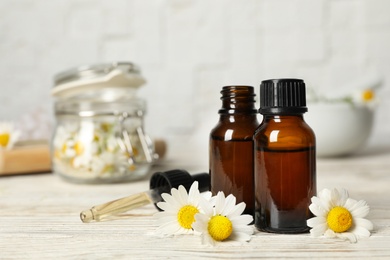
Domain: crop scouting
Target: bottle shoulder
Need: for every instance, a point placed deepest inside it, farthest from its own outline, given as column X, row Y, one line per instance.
column 235, row 129
column 299, row 127
column 287, row 133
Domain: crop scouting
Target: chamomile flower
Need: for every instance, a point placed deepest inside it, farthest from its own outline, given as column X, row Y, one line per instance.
column 63, row 143
column 179, row 210
column 108, row 163
column 364, row 97
column 337, row 215
column 223, row 221
column 8, row 135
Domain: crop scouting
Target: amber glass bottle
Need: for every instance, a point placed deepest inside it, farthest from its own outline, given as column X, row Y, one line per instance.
column 285, row 163
column 231, row 146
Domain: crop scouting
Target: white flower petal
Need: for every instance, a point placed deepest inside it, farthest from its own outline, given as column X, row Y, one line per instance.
column 321, row 203
column 194, row 189
column 365, row 223
column 161, row 214
column 350, row 204
column 317, row 210
column 236, row 210
column 358, row 204
column 241, row 220
column 243, row 229
column 170, row 200
column 176, row 196
column 325, row 193
column 213, row 200
column 338, row 197
column 326, row 204
column 312, row 222
column 347, row 235
column 219, row 202
column 206, row 207
column 165, row 224
column 166, row 206
column 207, row 239
column 325, row 197
column 160, row 220
column 201, row 217
column 360, row 231
column 169, row 228
column 200, row 224
column 198, row 228
column 193, row 194
column 360, row 209
column 230, row 199
column 206, row 195
column 240, row 236
column 343, row 197
column 165, row 196
column 230, row 202
column 319, row 230
column 183, row 195
column 330, row 233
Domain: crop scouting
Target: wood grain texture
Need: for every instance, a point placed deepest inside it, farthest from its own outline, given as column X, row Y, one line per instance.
column 25, row 159
column 39, row 219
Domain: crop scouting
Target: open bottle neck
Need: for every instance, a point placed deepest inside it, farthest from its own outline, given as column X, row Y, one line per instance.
column 237, row 100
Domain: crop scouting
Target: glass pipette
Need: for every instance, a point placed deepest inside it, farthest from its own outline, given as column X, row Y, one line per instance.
column 160, row 182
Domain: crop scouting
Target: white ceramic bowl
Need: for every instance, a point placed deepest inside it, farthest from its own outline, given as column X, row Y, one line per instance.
column 340, row 128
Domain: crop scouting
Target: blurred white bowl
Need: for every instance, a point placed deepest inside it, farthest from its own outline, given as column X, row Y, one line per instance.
column 340, row 128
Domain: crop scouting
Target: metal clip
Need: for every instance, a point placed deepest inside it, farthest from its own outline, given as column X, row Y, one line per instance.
column 127, row 144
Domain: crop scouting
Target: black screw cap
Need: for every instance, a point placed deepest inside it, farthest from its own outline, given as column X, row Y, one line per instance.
column 282, row 96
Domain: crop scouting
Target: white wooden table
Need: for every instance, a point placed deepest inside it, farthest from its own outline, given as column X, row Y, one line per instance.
column 39, row 219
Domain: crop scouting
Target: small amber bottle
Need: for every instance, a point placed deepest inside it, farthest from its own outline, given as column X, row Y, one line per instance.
column 231, row 146
column 285, row 159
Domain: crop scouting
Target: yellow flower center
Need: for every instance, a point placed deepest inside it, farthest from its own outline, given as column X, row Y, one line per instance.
column 4, row 139
column 79, row 148
column 368, row 95
column 57, row 154
column 108, row 168
column 339, row 219
column 63, row 148
column 220, row 227
column 106, row 127
column 96, row 137
column 186, row 216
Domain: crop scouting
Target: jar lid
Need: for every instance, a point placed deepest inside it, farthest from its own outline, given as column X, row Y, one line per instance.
column 98, row 82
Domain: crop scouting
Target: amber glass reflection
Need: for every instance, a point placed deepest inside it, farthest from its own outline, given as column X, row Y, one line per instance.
column 285, row 174
column 231, row 146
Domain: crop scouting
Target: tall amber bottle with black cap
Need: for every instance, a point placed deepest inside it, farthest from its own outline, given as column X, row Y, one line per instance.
column 285, row 159
column 231, row 146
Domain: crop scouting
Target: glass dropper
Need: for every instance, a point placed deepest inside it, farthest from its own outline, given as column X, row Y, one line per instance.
column 160, row 182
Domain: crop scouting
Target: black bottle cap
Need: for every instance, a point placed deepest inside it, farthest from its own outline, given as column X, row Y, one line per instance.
column 282, row 96
column 165, row 181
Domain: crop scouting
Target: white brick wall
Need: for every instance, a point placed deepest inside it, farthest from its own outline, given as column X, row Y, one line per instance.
column 189, row 49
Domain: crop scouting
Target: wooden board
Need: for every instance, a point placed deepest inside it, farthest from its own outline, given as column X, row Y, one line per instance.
column 25, row 158
column 39, row 219
column 34, row 157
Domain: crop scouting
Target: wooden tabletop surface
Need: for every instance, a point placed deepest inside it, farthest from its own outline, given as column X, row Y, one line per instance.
column 39, row 219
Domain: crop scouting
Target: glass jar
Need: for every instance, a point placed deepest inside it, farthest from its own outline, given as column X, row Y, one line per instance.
column 99, row 135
